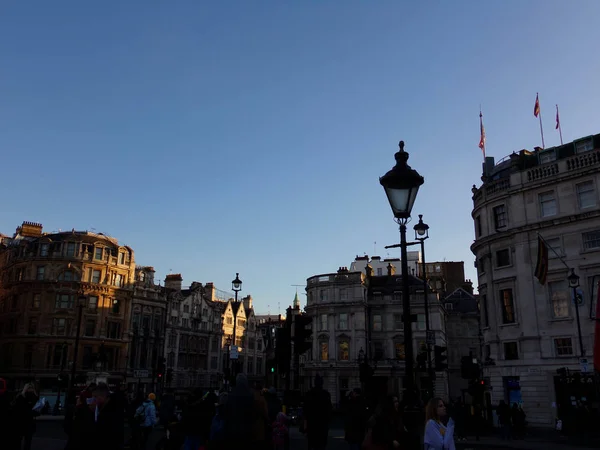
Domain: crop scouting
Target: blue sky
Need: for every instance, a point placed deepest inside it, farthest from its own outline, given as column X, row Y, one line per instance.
column 224, row 137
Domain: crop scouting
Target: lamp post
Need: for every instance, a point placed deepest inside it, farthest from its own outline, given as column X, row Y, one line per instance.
column 236, row 286
column 422, row 233
column 574, row 284
column 81, row 300
column 60, row 378
column 401, row 185
column 228, row 344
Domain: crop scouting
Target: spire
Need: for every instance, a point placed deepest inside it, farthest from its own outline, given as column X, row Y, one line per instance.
column 296, row 302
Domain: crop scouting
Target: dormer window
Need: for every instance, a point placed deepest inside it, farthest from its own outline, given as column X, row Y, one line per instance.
column 98, row 253
column 584, row 145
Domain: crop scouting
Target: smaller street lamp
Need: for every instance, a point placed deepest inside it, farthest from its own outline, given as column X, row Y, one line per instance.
column 574, row 284
column 236, row 285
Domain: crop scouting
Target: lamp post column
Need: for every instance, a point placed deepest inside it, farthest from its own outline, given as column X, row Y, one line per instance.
column 408, row 344
column 80, row 303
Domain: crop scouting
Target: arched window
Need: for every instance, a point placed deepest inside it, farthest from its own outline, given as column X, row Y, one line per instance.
column 344, row 350
column 399, row 349
column 324, row 350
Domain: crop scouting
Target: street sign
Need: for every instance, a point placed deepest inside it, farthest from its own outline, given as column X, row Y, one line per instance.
column 430, row 339
column 583, row 363
column 233, row 353
column 140, row 373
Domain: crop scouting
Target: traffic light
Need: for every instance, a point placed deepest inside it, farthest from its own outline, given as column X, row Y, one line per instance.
column 160, row 368
column 272, row 369
column 302, row 333
column 440, row 358
column 422, row 361
column 469, row 368
column 169, row 377
column 283, row 354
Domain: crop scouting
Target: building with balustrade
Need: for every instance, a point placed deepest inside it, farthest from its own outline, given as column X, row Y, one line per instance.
column 43, row 276
column 359, row 315
column 529, row 329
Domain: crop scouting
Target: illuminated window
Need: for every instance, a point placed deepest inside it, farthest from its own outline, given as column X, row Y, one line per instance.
column 324, row 351
column 344, row 354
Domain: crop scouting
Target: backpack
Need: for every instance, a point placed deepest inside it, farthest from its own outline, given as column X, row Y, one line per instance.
column 140, row 415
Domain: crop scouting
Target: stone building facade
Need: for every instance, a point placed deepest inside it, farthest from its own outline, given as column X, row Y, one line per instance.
column 356, row 313
column 530, row 329
column 43, row 276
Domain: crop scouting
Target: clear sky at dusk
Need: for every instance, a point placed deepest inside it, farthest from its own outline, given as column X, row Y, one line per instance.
column 223, row 137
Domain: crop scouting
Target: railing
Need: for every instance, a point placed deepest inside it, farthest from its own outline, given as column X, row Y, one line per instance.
column 584, row 160
column 539, row 173
column 497, row 186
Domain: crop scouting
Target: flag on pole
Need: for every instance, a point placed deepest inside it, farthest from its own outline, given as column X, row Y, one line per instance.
column 482, row 134
column 557, row 119
column 536, row 108
column 541, row 268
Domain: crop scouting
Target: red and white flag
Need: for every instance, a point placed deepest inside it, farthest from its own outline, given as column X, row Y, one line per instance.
column 536, row 108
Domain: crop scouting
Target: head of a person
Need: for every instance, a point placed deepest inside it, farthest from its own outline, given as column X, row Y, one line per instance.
column 101, row 394
column 389, row 405
column 152, row 396
column 28, row 390
column 241, row 381
column 436, row 409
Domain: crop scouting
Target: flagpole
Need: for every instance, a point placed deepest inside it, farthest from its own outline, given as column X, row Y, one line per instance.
column 541, row 128
column 559, row 125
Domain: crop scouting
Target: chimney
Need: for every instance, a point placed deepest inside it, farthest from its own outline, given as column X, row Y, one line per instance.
column 173, row 281
column 30, row 229
column 391, row 270
column 209, row 291
column 247, row 302
column 369, row 270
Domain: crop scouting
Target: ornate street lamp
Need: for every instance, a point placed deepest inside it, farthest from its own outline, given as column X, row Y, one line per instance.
column 401, row 185
column 574, row 284
column 421, row 234
column 236, row 285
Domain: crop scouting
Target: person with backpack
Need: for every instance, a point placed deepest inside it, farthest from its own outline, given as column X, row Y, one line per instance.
column 145, row 417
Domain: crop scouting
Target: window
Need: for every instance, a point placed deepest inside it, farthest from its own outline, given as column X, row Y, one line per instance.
column 229, row 320
column 399, row 350
column 122, row 258
column 343, row 295
column 343, row 321
column 449, row 306
column 259, row 365
column 547, row 204
column 67, row 275
column 344, row 354
column 421, row 322
column 511, row 351
column 323, row 322
column 33, row 324
column 90, row 327
column 96, row 276
column 259, row 345
column 563, row 346
column 398, row 325
column 241, row 323
column 57, row 357
column 40, row 273
column 63, row 301
column 503, row 258
column 478, row 226
column 481, row 266
column 250, row 369
column 324, row 351
column 591, row 240
column 35, row 304
column 500, row 219
column 92, row 302
column 59, row 326
column 378, row 351
column 185, row 323
column 119, row 280
column 559, row 299
column 484, row 310
column 213, row 362
column 554, row 247
column 379, row 271
column 44, row 250
column 584, row 145
column 98, row 253
column 508, row 306
column 586, row 195
column 547, row 156
column 71, row 249
column 186, row 308
column 377, row 325
column 323, row 296
column 114, row 330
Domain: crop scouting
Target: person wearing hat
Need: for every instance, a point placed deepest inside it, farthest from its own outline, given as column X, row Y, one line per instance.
column 145, row 415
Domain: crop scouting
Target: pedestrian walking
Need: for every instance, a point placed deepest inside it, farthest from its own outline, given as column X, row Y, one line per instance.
column 437, row 435
column 317, row 414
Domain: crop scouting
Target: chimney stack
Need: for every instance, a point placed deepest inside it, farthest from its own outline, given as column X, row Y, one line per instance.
column 173, row 281
column 247, row 302
column 391, row 270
